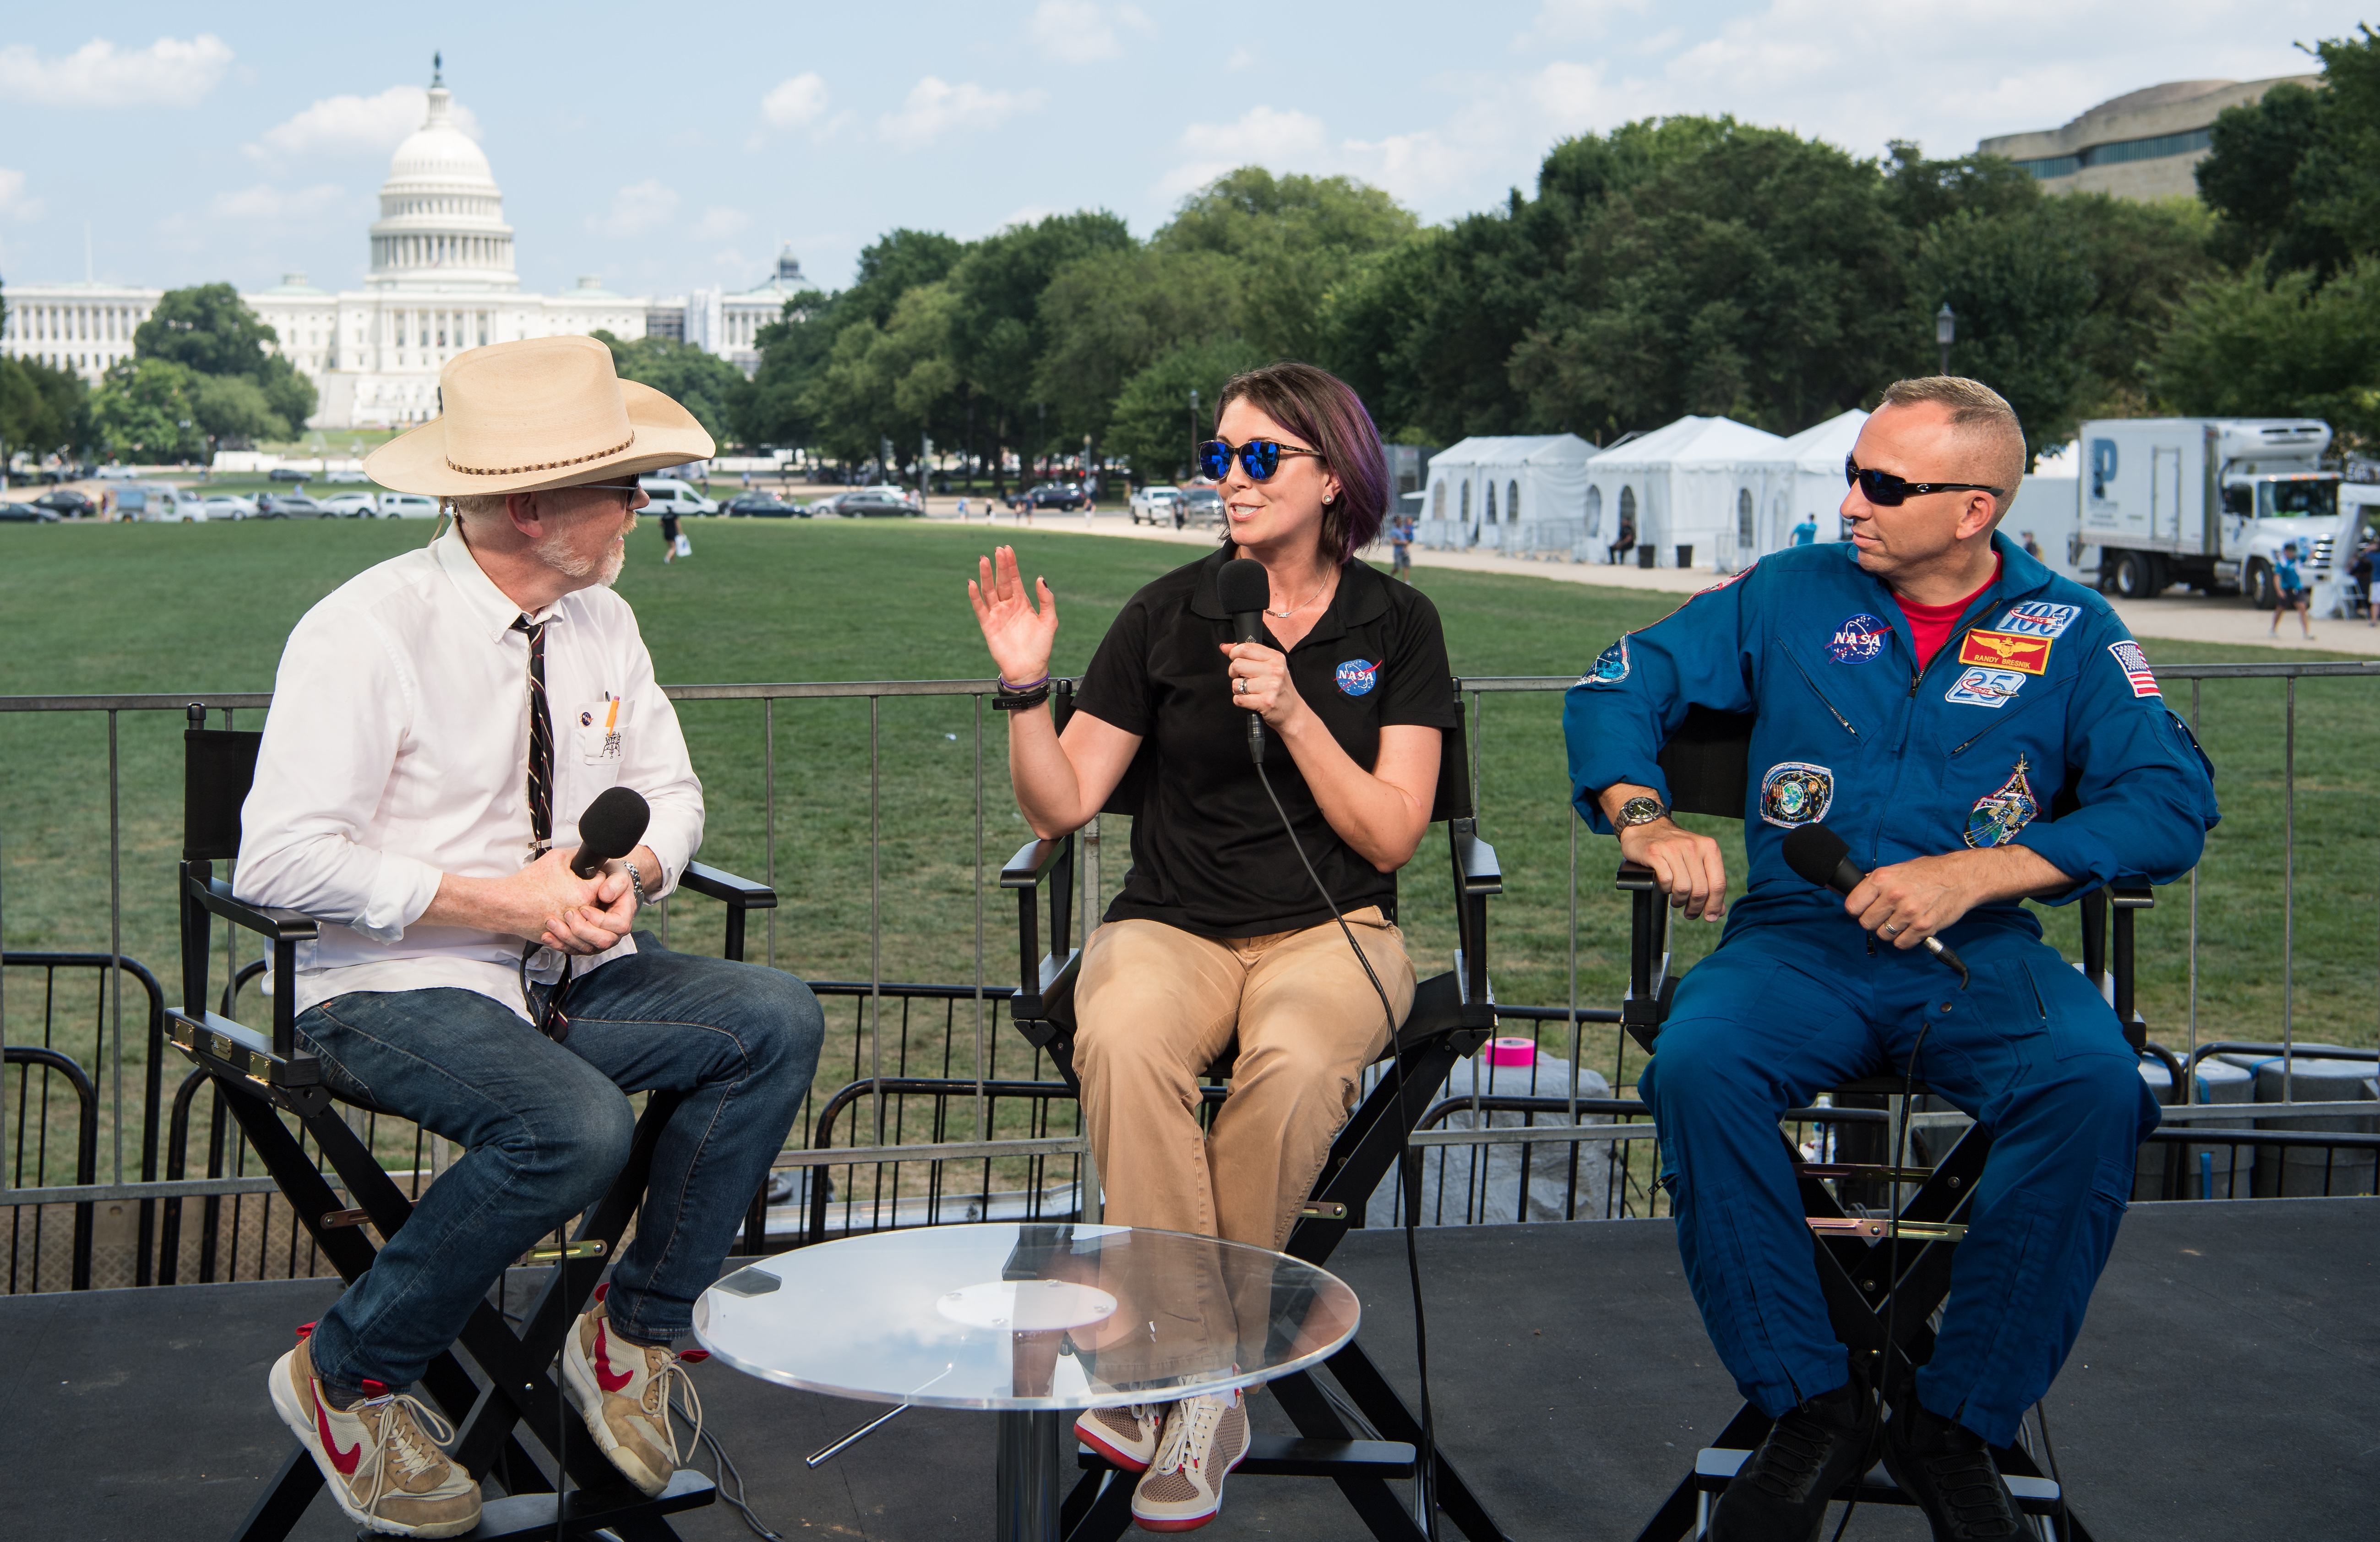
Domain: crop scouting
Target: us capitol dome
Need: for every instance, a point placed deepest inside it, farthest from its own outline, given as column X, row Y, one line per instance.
column 440, row 278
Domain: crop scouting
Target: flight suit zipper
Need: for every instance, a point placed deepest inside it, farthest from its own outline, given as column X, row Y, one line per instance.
column 1830, row 706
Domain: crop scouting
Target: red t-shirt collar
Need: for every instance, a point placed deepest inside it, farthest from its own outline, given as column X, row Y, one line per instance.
column 1930, row 626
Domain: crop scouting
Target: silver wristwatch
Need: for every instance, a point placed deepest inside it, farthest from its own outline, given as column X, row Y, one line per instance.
column 637, row 883
column 1639, row 810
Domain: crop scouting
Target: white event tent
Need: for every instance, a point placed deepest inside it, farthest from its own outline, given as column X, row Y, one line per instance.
column 1515, row 494
column 1690, row 484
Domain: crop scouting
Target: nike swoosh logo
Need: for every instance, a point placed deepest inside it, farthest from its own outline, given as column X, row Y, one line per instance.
column 605, row 1377
column 343, row 1460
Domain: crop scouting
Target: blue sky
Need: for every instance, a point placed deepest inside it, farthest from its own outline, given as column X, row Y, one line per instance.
column 663, row 147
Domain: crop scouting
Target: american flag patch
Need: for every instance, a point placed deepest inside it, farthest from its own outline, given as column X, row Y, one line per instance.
column 2135, row 665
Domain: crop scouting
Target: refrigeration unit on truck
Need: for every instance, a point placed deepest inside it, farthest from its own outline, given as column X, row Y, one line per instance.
column 2206, row 501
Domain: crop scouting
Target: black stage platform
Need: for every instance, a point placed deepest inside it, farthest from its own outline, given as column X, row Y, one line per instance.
column 2226, row 1387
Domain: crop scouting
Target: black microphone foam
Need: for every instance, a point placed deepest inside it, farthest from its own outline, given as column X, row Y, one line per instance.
column 1821, row 858
column 611, row 827
column 1245, row 589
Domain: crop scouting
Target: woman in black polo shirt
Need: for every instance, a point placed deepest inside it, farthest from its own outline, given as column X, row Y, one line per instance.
column 1219, row 933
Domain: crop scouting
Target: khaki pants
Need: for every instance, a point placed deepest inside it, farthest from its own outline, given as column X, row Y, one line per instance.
column 1157, row 1005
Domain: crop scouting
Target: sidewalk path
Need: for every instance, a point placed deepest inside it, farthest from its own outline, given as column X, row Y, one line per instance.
column 2173, row 617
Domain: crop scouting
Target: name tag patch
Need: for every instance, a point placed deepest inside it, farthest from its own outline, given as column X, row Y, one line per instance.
column 1858, row 638
column 2039, row 618
column 2135, row 665
column 1358, row 679
column 2006, row 650
column 1796, row 793
column 1985, row 687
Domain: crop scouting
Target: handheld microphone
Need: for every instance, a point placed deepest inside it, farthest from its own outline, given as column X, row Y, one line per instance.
column 1245, row 589
column 611, row 827
column 1823, row 857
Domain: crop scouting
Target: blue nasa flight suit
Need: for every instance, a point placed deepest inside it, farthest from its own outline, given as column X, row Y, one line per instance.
column 1902, row 763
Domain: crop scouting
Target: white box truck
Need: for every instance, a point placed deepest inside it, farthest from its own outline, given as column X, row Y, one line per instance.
column 2206, row 501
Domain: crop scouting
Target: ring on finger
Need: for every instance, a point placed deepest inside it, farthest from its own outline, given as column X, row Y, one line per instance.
column 1239, row 687
column 1889, row 929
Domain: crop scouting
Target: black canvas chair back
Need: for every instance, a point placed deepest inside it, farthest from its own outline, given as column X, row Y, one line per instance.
column 1708, row 761
column 263, row 1076
column 1452, row 1016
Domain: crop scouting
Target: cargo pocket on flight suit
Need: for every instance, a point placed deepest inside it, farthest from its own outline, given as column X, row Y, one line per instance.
column 2081, row 1021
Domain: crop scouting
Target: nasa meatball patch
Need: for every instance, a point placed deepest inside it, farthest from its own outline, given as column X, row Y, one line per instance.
column 1858, row 640
column 1358, row 679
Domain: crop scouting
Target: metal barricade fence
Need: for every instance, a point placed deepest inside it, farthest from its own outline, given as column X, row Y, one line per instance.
column 944, row 1113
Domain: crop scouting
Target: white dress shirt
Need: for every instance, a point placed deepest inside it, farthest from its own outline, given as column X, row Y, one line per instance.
column 397, row 750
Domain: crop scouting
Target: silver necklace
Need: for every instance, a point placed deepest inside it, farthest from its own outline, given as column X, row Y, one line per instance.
column 1308, row 601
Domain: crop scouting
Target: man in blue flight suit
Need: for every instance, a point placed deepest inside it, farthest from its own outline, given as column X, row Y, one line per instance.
column 1926, row 692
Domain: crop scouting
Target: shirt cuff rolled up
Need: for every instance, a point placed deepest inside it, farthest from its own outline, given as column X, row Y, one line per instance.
column 400, row 891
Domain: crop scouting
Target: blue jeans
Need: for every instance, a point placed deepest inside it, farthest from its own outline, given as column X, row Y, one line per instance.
column 1778, row 1014
column 545, row 1129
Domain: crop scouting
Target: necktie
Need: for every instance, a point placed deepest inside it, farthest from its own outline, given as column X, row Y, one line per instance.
column 551, row 1022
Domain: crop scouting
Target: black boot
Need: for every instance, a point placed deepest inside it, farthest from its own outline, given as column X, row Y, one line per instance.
column 1780, row 1492
column 1947, row 1468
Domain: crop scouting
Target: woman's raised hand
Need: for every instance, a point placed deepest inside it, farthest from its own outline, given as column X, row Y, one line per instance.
column 1020, row 637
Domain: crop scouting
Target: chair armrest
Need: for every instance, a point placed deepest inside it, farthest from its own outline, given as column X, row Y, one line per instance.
column 1634, row 877
column 279, row 926
column 2132, row 895
column 1476, row 859
column 1033, row 859
column 726, row 886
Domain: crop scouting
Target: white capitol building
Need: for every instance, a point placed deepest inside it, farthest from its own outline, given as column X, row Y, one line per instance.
column 441, row 279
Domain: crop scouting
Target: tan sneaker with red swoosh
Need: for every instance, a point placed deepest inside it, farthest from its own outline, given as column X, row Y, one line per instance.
column 381, row 1458
column 622, row 1390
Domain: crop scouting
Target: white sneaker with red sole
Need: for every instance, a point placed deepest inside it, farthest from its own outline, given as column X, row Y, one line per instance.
column 1125, row 1436
column 1183, row 1490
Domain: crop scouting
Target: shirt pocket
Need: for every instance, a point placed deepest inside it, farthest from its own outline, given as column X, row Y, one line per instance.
column 600, row 733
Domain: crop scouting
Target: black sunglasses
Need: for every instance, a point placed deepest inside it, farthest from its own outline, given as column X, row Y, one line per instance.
column 1261, row 457
column 1887, row 490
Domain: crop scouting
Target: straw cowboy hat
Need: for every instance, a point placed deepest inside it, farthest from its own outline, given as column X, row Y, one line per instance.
column 540, row 413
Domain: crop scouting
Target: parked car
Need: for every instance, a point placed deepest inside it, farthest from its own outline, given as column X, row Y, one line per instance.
column 230, row 505
column 407, row 505
column 288, row 474
column 350, row 505
column 1201, row 505
column 875, row 503
column 1052, row 495
column 159, row 501
column 107, row 474
column 287, row 505
column 670, row 495
column 761, row 505
column 1158, row 505
column 32, row 511
column 66, row 504
column 342, row 478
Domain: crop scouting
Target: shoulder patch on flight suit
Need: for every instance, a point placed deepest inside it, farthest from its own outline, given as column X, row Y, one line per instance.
column 2135, row 665
column 1999, row 814
column 1796, row 793
column 1610, row 666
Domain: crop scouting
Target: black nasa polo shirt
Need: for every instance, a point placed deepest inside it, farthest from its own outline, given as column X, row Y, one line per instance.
column 1208, row 851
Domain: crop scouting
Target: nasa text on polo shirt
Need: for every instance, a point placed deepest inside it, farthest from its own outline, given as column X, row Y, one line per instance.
column 1208, row 851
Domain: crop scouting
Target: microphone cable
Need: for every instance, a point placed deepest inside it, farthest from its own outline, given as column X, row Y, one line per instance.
column 1425, row 1455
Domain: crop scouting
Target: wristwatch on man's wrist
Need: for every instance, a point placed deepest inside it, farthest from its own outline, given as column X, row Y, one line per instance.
column 1638, row 811
column 637, row 883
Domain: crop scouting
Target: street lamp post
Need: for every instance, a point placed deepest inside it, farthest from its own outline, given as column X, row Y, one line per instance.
column 1946, row 329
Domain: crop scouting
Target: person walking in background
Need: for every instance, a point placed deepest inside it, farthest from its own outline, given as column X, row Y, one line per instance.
column 1806, row 532
column 2289, row 591
column 1401, row 534
column 2032, row 547
column 2365, row 576
column 669, row 535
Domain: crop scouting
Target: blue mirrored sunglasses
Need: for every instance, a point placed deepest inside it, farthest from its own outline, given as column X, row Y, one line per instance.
column 1261, row 457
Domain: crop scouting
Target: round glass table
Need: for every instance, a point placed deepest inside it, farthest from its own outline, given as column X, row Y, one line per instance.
column 1031, row 1320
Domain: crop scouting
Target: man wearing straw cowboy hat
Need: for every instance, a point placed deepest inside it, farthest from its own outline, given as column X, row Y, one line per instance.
column 439, row 724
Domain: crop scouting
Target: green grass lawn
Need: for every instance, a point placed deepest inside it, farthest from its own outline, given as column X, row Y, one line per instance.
column 204, row 608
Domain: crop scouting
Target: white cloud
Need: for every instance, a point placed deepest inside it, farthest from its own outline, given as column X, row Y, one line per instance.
column 14, row 204
column 791, row 103
column 1082, row 32
column 935, row 106
column 168, row 73
column 354, row 125
column 637, row 209
column 265, row 204
column 718, row 224
column 1268, row 137
column 1566, row 21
